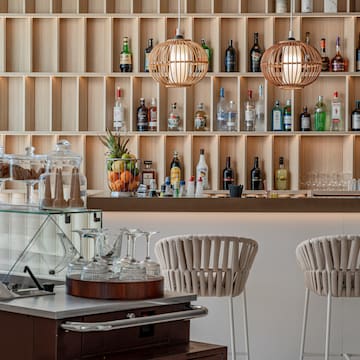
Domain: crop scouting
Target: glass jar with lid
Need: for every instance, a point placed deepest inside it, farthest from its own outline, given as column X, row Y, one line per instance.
column 62, row 186
column 4, row 165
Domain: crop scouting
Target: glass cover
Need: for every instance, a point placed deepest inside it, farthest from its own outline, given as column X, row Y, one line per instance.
column 62, row 157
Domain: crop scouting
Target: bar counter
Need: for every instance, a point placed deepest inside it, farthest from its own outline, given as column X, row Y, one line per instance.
column 319, row 204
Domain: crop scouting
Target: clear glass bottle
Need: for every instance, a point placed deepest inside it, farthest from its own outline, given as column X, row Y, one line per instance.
column 320, row 115
column 202, row 170
column 250, row 113
column 174, row 122
column 306, row 6
column 281, row 176
column 330, row 6
column 305, row 120
column 147, row 52
column 338, row 62
column 228, row 175
column 230, row 58
column 208, row 51
column 200, row 118
column 281, row 6
column 190, row 189
column 231, row 122
column 152, row 116
column 119, row 112
column 325, row 61
column 221, row 112
column 336, row 113
column 260, row 110
column 175, row 169
column 355, row 117
column 255, row 55
column 199, row 190
column 277, row 117
column 287, row 116
column 148, row 173
column 256, row 176
column 142, row 116
column 125, row 56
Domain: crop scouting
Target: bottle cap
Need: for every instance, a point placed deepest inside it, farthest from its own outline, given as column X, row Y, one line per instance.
column 202, row 151
column 336, row 94
column 200, row 179
column 250, row 94
column 192, row 178
column 182, row 182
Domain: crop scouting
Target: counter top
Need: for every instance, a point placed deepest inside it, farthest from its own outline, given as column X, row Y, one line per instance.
column 61, row 305
column 320, row 204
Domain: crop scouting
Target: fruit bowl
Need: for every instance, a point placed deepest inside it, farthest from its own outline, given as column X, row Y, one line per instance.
column 123, row 175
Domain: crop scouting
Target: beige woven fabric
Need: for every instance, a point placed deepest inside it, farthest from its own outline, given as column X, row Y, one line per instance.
column 207, row 265
column 334, row 255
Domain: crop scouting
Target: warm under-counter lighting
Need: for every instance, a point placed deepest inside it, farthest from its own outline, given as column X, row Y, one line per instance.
column 178, row 62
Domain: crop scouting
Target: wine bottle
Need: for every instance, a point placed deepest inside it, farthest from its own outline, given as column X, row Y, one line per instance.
column 142, row 116
column 305, row 120
column 249, row 113
column 147, row 52
column 320, row 115
column 281, row 6
column 338, row 62
column 118, row 114
column 277, row 117
column 230, row 58
column 260, row 110
column 256, row 176
column 221, row 112
column 175, row 169
column 200, row 118
column 355, row 117
column 125, row 56
column 208, row 51
column 330, row 6
column 255, row 55
column 152, row 115
column 231, row 122
column 306, row 6
column 173, row 119
column 325, row 62
column 281, row 176
column 228, row 175
column 202, row 170
column 287, row 116
column 357, row 62
column 336, row 111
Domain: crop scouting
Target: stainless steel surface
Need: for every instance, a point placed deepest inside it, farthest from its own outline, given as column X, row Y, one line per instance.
column 194, row 312
column 62, row 306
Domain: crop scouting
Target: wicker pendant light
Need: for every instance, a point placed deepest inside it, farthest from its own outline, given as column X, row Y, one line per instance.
column 178, row 62
column 291, row 64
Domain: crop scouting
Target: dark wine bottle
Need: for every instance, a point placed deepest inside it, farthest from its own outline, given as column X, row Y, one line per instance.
column 147, row 51
column 142, row 116
column 230, row 58
column 256, row 176
column 255, row 55
column 355, row 117
column 305, row 122
column 228, row 175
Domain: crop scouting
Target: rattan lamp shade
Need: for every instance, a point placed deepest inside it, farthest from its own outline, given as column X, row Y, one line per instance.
column 291, row 64
column 178, row 62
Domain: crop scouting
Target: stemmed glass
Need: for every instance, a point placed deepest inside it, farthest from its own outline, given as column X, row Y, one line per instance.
column 151, row 266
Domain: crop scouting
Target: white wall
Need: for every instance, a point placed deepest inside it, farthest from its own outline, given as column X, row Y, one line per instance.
column 275, row 291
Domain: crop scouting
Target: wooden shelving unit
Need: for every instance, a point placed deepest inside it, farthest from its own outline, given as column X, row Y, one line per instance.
column 59, row 68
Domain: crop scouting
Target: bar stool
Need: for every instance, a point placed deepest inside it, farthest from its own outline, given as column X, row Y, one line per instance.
column 209, row 265
column 331, row 268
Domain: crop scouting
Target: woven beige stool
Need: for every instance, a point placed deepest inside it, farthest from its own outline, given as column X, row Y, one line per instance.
column 331, row 268
column 209, row 265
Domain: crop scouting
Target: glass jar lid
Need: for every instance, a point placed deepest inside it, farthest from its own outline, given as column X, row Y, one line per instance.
column 63, row 157
column 28, row 156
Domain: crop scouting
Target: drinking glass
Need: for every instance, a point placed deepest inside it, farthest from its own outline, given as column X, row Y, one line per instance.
column 151, row 266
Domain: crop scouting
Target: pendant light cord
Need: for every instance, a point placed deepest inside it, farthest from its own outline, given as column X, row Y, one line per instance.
column 178, row 33
column 291, row 32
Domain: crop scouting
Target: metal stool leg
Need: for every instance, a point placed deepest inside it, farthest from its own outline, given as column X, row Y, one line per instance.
column 303, row 331
column 232, row 333
column 246, row 334
column 328, row 323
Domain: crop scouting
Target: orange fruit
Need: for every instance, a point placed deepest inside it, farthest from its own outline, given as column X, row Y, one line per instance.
column 126, row 176
column 113, row 176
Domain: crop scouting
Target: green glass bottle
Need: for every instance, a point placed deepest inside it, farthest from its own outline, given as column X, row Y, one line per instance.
column 320, row 115
column 125, row 56
column 208, row 53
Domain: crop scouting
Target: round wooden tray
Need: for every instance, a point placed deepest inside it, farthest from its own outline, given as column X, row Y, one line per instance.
column 115, row 289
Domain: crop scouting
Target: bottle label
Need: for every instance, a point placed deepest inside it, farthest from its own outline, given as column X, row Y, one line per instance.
column 277, row 120
column 281, row 6
column 125, row 59
column 153, row 118
column 173, row 122
column 175, row 175
column 146, row 62
column 335, row 112
column 287, row 122
column 199, row 122
column 203, row 173
column 330, row 6
column 305, row 122
column 147, row 177
column 355, row 121
column 118, row 117
column 338, row 66
column 306, row 6
column 231, row 120
column 142, row 118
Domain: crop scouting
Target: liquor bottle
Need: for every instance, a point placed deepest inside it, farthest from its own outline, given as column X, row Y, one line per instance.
column 190, row 189
column 287, row 116
column 250, row 113
column 281, row 176
column 307, row 38
column 320, row 115
column 277, row 117
column 221, row 112
column 147, row 51
column 119, row 112
column 173, row 119
column 260, row 110
column 231, row 120
column 208, row 51
column 256, row 176
column 152, row 189
column 202, row 170
column 228, row 175
column 175, row 169
column 199, row 191
column 200, row 118
column 330, row 6
column 125, row 56
column 336, row 113
column 230, row 58
column 357, row 62
column 355, row 117
column 281, row 6
column 152, row 115
column 325, row 62
column 142, row 116
column 337, row 62
column 148, row 173
column 305, row 120
column 306, row 6
column 255, row 55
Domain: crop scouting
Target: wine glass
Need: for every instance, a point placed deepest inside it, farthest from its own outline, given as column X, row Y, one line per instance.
column 151, row 266
column 117, row 260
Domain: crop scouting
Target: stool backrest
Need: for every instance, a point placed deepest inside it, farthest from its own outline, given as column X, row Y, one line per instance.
column 207, row 265
column 331, row 261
